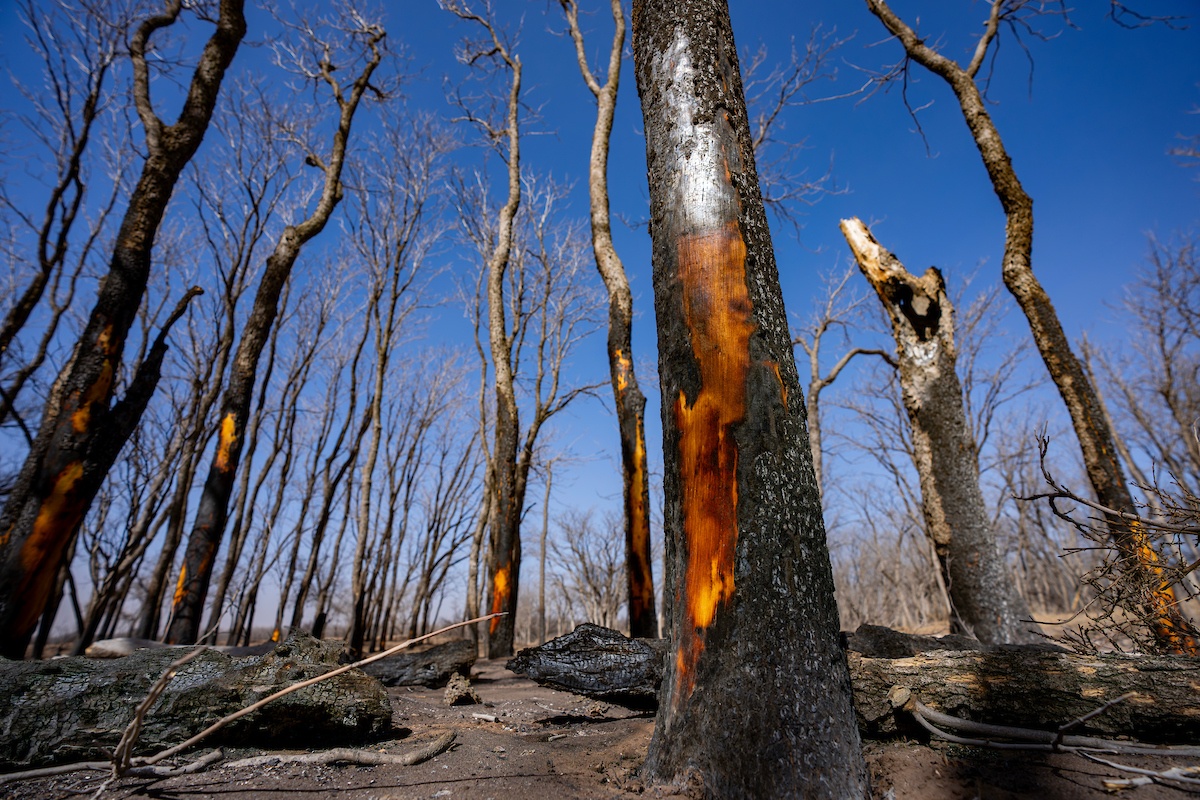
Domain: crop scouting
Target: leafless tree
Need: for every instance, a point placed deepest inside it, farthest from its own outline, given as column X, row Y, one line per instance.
column 834, row 311
column 82, row 431
column 738, row 478
column 1105, row 473
column 587, row 559
column 312, row 58
column 495, row 53
column 627, row 395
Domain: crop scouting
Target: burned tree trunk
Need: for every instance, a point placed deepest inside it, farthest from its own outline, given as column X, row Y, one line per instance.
column 208, row 529
column 627, row 395
column 81, row 435
column 756, row 665
column 983, row 599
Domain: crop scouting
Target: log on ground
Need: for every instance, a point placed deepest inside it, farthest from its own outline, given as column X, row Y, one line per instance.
column 1035, row 686
column 432, row 667
column 75, row 709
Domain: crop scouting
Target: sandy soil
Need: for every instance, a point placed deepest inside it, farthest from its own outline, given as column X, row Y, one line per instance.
column 549, row 744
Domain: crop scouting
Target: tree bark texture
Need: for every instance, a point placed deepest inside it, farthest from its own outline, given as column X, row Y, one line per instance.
column 627, row 395
column 756, row 697
column 1172, row 630
column 1038, row 687
column 80, row 436
column 983, row 599
column 598, row 662
column 191, row 588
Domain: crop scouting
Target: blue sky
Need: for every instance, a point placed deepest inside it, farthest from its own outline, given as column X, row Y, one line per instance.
column 1088, row 131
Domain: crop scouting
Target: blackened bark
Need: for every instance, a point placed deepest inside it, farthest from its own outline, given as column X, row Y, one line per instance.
column 69, row 459
column 757, row 694
column 1173, row 632
column 983, row 599
column 1030, row 686
column 191, row 588
column 628, row 397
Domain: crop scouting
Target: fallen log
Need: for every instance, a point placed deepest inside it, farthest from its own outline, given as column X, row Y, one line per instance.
column 432, row 667
column 72, row 709
column 598, row 662
column 1022, row 686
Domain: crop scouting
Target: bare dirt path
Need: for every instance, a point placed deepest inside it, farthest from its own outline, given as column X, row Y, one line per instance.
column 550, row 744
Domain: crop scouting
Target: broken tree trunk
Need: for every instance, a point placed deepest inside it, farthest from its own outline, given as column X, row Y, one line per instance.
column 983, row 598
column 1030, row 686
column 73, row 709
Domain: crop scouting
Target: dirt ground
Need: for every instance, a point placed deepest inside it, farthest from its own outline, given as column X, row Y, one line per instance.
column 550, row 744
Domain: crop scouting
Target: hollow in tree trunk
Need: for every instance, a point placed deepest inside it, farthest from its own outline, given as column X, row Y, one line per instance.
column 983, row 598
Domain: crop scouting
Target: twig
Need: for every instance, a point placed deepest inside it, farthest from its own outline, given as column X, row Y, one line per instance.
column 346, row 755
column 1095, row 712
column 1176, row 774
column 123, row 753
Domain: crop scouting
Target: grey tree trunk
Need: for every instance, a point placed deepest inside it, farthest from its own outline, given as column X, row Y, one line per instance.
column 983, row 598
column 756, row 696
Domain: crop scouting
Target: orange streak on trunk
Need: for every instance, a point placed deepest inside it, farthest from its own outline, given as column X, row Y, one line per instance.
column 225, row 441
column 179, row 587
column 500, row 591
column 56, row 519
column 717, row 311
column 624, row 370
column 98, row 391
column 639, row 524
column 774, row 365
column 1162, row 598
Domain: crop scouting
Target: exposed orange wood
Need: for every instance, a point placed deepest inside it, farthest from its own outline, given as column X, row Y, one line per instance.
column 225, row 441
column 717, row 312
column 180, row 591
column 639, row 525
column 624, row 370
column 1162, row 597
column 98, row 391
column 500, row 591
column 774, row 365
column 57, row 518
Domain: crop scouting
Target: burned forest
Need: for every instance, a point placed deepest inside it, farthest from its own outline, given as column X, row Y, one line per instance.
column 600, row 398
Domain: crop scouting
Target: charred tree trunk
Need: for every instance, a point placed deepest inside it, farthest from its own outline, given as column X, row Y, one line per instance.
column 1172, row 630
column 757, row 667
column 628, row 397
column 209, row 525
column 983, row 598
column 71, row 455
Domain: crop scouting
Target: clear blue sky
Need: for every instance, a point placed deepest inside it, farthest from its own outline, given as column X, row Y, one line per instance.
column 1088, row 129
column 1088, row 125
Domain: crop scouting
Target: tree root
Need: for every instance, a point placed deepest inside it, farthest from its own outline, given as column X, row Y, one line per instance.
column 346, row 755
